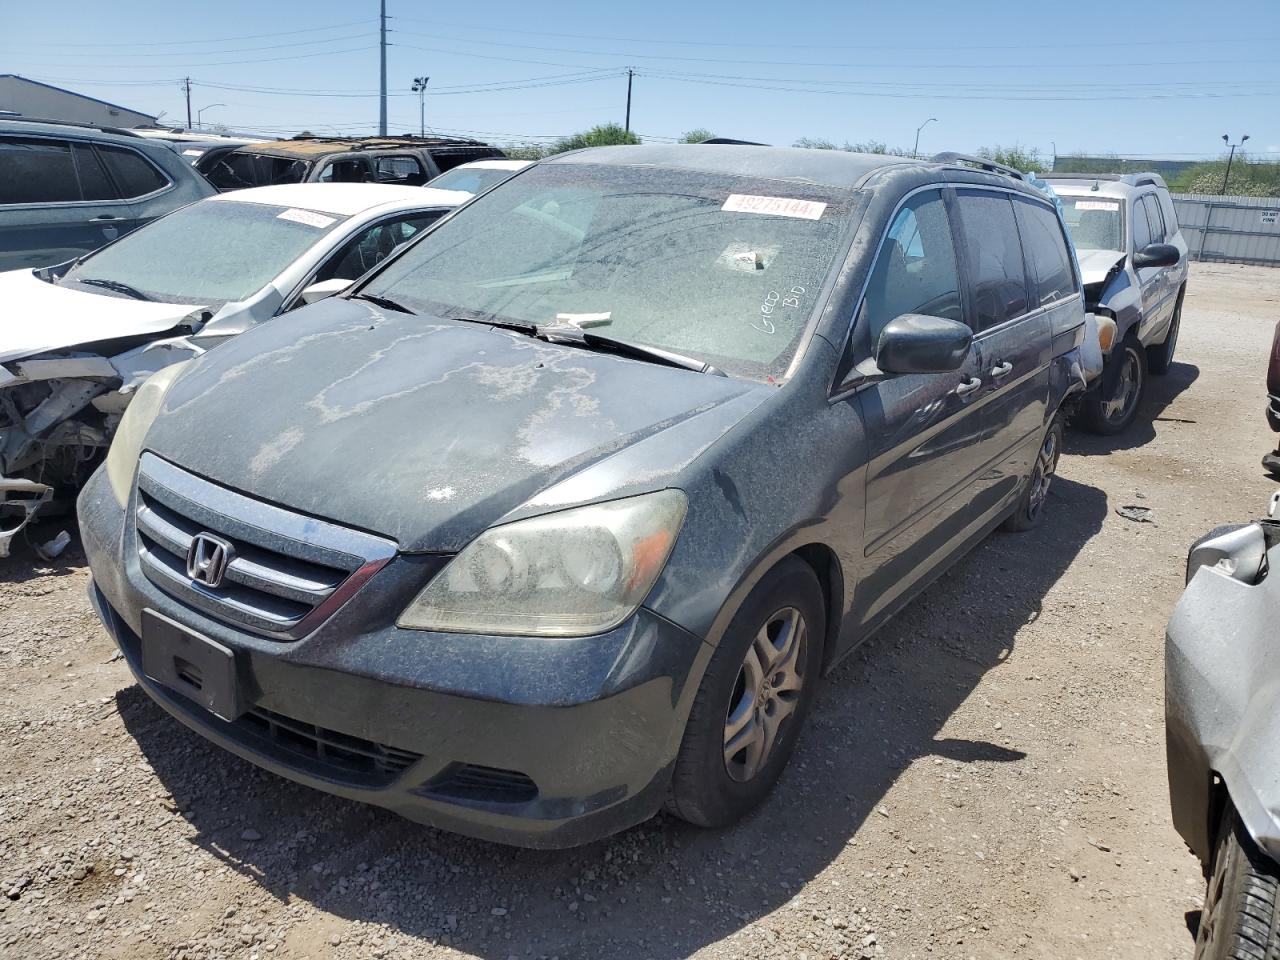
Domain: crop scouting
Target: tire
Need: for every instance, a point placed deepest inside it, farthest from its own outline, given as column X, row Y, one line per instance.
column 1031, row 504
column 1160, row 356
column 1111, row 407
column 1240, row 919
column 710, row 787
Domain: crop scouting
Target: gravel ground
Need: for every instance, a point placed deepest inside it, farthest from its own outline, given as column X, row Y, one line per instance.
column 984, row 779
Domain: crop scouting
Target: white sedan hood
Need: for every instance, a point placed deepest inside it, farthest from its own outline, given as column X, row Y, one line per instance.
column 36, row 317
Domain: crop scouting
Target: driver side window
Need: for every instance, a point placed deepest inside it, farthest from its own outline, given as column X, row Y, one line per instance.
column 915, row 269
column 371, row 246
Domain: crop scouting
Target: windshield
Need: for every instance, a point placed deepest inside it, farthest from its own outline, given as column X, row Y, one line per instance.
column 471, row 179
column 234, row 171
column 723, row 269
column 210, row 253
column 1093, row 222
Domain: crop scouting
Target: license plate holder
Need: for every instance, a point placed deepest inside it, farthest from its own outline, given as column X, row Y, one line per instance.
column 186, row 662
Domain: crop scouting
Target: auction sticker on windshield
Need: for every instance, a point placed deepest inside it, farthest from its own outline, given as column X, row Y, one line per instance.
column 774, row 206
column 1096, row 205
column 306, row 216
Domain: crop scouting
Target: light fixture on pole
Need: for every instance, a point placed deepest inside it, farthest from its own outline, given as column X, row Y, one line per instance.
column 915, row 150
column 1231, row 156
column 420, row 88
column 207, row 106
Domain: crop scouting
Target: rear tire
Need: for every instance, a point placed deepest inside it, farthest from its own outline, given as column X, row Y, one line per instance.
column 1240, row 919
column 1111, row 407
column 1160, row 356
column 733, row 750
column 1031, row 504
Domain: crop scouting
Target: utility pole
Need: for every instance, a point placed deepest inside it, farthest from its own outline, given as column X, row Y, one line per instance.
column 630, row 73
column 420, row 88
column 915, row 150
column 186, row 82
column 382, row 98
column 1230, row 156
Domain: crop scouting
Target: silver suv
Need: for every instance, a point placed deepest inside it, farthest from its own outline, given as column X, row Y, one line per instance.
column 1133, row 261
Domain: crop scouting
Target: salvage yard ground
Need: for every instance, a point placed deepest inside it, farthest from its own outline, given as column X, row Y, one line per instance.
column 985, row 779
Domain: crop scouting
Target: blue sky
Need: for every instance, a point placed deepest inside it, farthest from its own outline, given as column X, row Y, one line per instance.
column 1088, row 76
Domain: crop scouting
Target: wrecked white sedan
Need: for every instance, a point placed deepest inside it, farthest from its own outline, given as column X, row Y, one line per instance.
column 77, row 339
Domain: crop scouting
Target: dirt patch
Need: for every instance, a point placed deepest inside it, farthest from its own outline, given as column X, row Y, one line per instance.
column 985, row 779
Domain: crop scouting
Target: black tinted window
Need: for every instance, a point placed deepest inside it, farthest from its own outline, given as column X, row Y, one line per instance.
column 1141, row 226
column 232, row 171
column 1154, row 217
column 1046, row 251
column 995, row 257
column 37, row 171
column 915, row 270
column 346, row 171
column 94, row 182
column 134, row 176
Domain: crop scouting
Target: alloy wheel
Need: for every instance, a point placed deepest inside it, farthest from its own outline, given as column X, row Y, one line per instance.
column 765, row 693
column 1128, row 385
column 1042, row 476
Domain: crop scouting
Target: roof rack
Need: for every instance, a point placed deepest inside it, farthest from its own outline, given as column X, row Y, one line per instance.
column 990, row 166
column 730, row 140
column 121, row 131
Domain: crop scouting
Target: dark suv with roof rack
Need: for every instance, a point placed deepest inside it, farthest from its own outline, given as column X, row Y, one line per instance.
column 1134, row 262
column 560, row 514
column 409, row 161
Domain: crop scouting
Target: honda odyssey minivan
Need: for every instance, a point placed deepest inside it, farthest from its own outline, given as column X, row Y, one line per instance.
column 559, row 515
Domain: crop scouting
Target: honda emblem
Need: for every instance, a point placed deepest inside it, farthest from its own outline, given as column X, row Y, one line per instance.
column 208, row 559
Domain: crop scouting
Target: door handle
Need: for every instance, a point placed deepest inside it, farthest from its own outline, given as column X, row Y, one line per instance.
column 107, row 219
column 1001, row 370
column 967, row 386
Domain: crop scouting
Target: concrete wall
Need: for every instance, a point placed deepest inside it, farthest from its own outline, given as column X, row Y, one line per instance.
column 1230, row 229
column 29, row 99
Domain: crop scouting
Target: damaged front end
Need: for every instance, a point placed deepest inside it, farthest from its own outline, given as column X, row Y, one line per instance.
column 58, row 411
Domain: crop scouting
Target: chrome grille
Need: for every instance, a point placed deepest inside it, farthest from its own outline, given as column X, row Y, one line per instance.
column 288, row 571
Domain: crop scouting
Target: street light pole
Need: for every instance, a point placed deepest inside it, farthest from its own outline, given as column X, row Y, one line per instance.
column 420, row 88
column 915, row 150
column 1230, row 156
column 200, row 112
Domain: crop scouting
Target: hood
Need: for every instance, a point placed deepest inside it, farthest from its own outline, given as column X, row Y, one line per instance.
column 420, row 429
column 1095, row 265
column 38, row 317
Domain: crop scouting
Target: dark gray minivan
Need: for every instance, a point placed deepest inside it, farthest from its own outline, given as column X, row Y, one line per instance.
column 559, row 515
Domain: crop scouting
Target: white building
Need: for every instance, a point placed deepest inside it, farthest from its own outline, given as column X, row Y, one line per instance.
column 20, row 97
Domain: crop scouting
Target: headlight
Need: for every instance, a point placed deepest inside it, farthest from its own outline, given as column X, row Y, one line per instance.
column 567, row 574
column 126, row 446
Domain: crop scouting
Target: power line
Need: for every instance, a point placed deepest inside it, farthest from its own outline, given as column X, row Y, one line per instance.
column 274, row 46
column 217, row 63
column 202, row 42
column 828, row 46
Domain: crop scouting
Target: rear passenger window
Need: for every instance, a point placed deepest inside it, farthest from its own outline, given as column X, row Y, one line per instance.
column 915, row 270
column 1141, row 226
column 1155, row 217
column 1046, row 251
column 94, row 182
column 346, row 171
column 405, row 170
column 135, row 176
column 36, row 170
column 995, row 257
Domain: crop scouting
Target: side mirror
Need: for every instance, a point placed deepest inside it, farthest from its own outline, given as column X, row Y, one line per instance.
column 1156, row 255
column 916, row 343
column 324, row 289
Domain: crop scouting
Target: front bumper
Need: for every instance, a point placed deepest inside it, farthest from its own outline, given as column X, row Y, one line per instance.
column 528, row 741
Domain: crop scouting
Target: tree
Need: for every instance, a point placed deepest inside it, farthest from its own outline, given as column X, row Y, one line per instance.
column 1016, row 156
column 697, row 135
column 526, row 151
column 605, row 135
column 862, row 146
column 1249, row 178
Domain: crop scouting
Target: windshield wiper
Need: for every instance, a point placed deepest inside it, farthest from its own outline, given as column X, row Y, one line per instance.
column 115, row 285
column 637, row 351
column 385, row 302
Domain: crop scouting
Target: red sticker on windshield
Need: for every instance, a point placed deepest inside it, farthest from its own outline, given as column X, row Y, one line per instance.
column 774, row 206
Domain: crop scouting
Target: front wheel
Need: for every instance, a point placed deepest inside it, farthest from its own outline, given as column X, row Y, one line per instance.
column 1112, row 406
column 1031, row 504
column 1241, row 915
column 753, row 700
